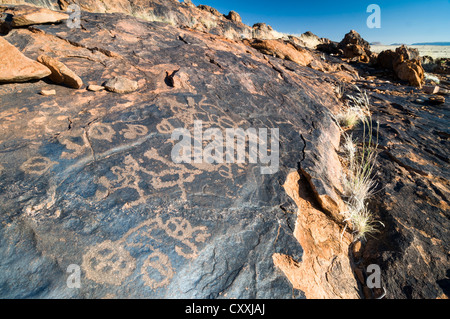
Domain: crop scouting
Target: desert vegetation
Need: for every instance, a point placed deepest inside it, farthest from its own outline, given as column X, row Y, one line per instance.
column 360, row 159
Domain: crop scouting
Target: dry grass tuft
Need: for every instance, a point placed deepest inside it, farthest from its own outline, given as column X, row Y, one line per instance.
column 358, row 181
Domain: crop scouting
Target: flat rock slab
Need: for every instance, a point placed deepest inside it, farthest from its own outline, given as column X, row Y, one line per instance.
column 16, row 67
column 23, row 15
column 61, row 74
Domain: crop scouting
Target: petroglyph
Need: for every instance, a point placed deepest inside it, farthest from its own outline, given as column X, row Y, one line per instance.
column 160, row 263
column 184, row 174
column 108, row 263
column 111, row 262
column 101, row 131
column 69, row 141
column 37, row 165
column 127, row 177
column 134, row 130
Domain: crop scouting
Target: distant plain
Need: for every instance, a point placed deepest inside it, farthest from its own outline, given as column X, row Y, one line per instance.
column 435, row 51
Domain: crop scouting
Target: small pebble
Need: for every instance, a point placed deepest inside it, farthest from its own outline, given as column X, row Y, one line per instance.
column 47, row 92
column 95, row 88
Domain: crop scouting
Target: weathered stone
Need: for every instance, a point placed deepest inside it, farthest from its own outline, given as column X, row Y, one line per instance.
column 16, row 67
column 411, row 72
column 48, row 92
column 354, row 46
column 95, row 88
column 262, row 31
column 386, row 59
column 307, row 39
column 431, row 89
column 234, row 16
column 24, row 15
column 329, row 47
column 188, row 3
column 121, row 84
column 107, row 181
column 325, row 259
column 436, row 100
column 210, row 10
column 283, row 51
column 88, row 179
column 61, row 74
column 405, row 62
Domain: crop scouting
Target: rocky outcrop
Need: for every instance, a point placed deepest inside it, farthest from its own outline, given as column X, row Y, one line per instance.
column 283, row 51
column 386, row 59
column 16, row 67
column 98, row 187
column 412, row 198
column 234, row 16
column 88, row 177
column 325, row 271
column 355, row 47
column 308, row 40
column 183, row 14
column 439, row 66
column 262, row 31
column 330, row 47
column 23, row 15
column 210, row 10
column 406, row 64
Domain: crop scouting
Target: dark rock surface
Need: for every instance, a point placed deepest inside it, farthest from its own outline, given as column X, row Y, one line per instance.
column 87, row 177
column 412, row 197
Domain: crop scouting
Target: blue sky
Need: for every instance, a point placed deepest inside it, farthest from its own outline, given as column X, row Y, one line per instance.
column 401, row 21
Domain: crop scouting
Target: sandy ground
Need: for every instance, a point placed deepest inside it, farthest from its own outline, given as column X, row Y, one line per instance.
column 435, row 51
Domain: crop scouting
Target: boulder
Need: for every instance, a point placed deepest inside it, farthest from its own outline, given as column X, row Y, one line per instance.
column 406, row 53
column 234, row 16
column 330, row 47
column 354, row 46
column 410, row 71
column 61, row 74
column 262, row 31
column 443, row 66
column 407, row 66
column 24, row 15
column 405, row 62
column 385, row 59
column 307, row 40
column 16, row 67
column 210, row 10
